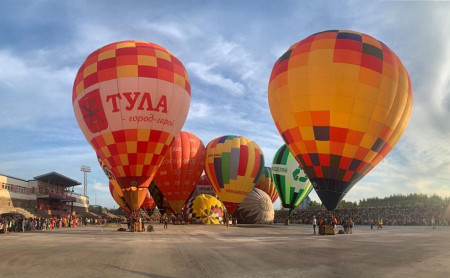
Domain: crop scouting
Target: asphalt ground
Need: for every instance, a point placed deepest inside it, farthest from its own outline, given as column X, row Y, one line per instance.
column 218, row 251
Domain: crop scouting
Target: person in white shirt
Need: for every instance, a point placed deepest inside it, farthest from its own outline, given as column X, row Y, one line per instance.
column 314, row 224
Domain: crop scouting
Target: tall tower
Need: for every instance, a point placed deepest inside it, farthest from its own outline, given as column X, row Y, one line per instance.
column 85, row 169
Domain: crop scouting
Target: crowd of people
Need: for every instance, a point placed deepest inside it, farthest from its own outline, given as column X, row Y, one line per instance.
column 23, row 224
column 394, row 215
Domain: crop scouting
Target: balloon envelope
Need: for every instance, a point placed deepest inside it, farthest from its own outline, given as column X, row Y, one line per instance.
column 181, row 169
column 130, row 99
column 340, row 100
column 266, row 184
column 149, row 203
column 204, row 209
column 233, row 164
column 159, row 198
column 117, row 192
column 119, row 199
column 290, row 180
column 257, row 208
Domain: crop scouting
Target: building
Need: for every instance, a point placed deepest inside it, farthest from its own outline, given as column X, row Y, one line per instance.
column 48, row 194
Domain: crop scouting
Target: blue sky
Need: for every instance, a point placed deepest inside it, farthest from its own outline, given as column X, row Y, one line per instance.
column 228, row 49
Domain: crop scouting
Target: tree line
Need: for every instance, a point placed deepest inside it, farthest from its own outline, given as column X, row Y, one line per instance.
column 413, row 199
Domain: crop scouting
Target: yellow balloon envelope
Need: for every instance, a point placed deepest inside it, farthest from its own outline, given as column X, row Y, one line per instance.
column 340, row 100
column 204, row 209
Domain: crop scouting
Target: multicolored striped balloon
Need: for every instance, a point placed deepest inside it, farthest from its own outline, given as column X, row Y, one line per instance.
column 233, row 165
column 266, row 184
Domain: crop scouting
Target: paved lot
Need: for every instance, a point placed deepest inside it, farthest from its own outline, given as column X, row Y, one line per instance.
column 215, row 251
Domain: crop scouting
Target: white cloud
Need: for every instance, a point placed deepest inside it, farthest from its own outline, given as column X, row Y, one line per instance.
column 99, row 187
column 207, row 75
column 33, row 91
column 172, row 29
column 199, row 110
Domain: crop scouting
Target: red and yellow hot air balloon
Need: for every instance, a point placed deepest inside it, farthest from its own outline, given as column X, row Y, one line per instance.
column 130, row 99
column 149, row 203
column 233, row 165
column 114, row 188
column 267, row 184
column 181, row 169
column 340, row 100
column 118, row 197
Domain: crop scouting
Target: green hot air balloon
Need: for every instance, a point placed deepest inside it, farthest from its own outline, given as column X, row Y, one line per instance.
column 291, row 181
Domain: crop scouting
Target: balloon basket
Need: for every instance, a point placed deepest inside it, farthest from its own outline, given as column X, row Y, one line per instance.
column 329, row 230
column 136, row 227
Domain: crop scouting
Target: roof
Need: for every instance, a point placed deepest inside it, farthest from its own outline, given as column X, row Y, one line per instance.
column 57, row 179
column 12, row 177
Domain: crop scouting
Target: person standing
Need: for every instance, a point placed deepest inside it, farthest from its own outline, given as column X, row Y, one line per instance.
column 314, row 222
column 165, row 221
column 380, row 223
column 433, row 222
column 227, row 220
column 350, row 225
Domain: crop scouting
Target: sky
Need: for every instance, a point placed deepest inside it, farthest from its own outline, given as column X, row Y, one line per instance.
column 228, row 49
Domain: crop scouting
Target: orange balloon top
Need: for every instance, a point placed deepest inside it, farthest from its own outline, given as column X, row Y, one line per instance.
column 341, row 100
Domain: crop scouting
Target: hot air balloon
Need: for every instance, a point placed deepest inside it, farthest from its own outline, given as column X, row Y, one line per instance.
column 233, row 165
column 148, row 203
column 290, row 180
column 160, row 200
column 266, row 184
column 340, row 100
column 130, row 99
column 257, row 208
column 118, row 198
column 181, row 169
column 204, row 209
column 116, row 191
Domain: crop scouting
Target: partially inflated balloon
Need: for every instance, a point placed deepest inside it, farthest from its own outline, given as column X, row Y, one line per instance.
column 266, row 184
column 233, row 165
column 204, row 209
column 257, row 208
column 340, row 100
column 130, row 99
column 181, row 169
column 290, row 180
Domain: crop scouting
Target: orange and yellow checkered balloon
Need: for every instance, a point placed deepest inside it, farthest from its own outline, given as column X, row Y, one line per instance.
column 130, row 99
column 340, row 100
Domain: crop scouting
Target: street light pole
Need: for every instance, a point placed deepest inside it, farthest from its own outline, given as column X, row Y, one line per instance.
column 85, row 169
